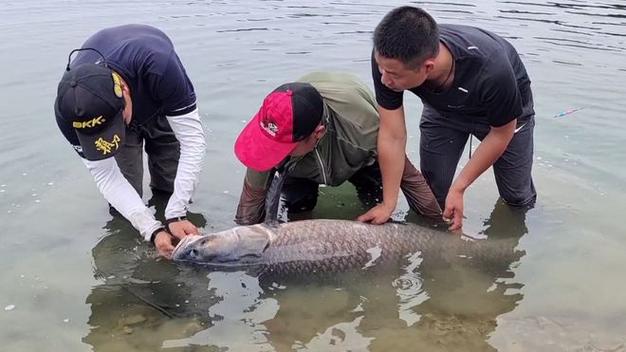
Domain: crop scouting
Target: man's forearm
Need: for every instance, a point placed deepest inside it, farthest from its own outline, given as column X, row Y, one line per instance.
column 251, row 208
column 418, row 194
column 487, row 153
column 391, row 146
column 189, row 132
column 117, row 191
column 391, row 160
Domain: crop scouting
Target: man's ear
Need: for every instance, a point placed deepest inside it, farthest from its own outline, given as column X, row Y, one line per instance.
column 125, row 88
column 319, row 131
column 429, row 66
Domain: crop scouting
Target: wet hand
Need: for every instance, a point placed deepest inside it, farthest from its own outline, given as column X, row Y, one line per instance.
column 453, row 211
column 163, row 244
column 182, row 228
column 377, row 215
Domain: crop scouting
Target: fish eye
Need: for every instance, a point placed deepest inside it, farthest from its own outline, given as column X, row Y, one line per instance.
column 193, row 252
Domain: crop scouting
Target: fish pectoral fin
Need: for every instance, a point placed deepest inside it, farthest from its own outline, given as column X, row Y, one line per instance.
column 252, row 241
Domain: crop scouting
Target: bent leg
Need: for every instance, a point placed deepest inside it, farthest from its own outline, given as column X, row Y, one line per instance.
column 369, row 184
column 440, row 151
column 130, row 160
column 299, row 194
column 163, row 152
column 513, row 169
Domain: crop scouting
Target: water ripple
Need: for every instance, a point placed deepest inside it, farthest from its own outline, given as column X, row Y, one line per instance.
column 243, row 30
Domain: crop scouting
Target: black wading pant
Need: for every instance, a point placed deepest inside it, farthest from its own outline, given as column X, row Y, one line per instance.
column 442, row 141
column 300, row 194
column 162, row 149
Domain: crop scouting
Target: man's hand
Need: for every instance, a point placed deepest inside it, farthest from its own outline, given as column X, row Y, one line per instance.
column 163, row 244
column 182, row 228
column 488, row 151
column 377, row 215
column 391, row 143
column 453, row 211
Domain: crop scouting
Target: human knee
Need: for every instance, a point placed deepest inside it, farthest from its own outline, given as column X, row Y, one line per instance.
column 520, row 200
column 302, row 204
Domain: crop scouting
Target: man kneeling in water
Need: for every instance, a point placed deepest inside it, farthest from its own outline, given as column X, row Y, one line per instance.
column 321, row 129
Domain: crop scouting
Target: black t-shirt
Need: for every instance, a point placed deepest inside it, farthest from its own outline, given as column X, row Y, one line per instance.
column 145, row 58
column 490, row 82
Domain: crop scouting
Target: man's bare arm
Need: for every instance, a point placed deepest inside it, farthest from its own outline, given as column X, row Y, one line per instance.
column 391, row 156
column 486, row 154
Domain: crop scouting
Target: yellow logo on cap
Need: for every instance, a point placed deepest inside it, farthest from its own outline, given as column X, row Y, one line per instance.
column 107, row 147
column 89, row 124
column 117, row 84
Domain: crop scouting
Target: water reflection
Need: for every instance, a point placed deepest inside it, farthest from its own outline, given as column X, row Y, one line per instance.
column 140, row 295
column 435, row 303
column 236, row 319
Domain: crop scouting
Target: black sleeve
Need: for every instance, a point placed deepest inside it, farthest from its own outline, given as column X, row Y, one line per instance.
column 499, row 92
column 173, row 88
column 385, row 97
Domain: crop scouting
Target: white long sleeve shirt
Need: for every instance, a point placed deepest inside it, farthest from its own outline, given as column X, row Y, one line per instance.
column 121, row 195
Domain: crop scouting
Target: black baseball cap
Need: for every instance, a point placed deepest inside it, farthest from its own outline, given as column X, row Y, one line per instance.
column 89, row 98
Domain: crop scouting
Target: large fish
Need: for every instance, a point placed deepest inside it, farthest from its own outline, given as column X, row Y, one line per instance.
column 303, row 248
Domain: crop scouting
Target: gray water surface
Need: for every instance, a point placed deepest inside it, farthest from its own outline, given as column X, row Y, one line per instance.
column 74, row 278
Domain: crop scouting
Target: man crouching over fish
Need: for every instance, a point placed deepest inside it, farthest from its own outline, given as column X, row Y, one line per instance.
column 321, row 129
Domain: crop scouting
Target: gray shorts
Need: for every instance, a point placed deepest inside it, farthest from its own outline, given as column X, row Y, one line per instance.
column 162, row 149
column 442, row 141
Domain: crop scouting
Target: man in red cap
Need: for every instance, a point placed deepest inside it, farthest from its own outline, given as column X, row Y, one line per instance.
column 321, row 129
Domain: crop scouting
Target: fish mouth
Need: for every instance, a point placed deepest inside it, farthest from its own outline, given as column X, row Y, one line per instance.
column 182, row 245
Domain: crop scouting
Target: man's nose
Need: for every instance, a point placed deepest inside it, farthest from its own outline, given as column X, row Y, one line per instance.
column 385, row 79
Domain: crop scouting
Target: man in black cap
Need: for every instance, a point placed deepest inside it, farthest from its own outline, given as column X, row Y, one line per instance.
column 127, row 90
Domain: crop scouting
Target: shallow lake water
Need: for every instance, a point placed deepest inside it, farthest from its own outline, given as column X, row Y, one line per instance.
column 74, row 278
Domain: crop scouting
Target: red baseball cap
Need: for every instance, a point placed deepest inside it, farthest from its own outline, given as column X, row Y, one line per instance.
column 288, row 115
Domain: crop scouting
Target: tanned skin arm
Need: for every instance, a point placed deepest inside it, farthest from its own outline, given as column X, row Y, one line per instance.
column 486, row 154
column 391, row 155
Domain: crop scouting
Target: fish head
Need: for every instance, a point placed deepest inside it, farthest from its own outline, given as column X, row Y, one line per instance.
column 231, row 245
column 202, row 248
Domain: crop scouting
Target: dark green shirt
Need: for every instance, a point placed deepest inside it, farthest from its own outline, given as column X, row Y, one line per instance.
column 349, row 143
